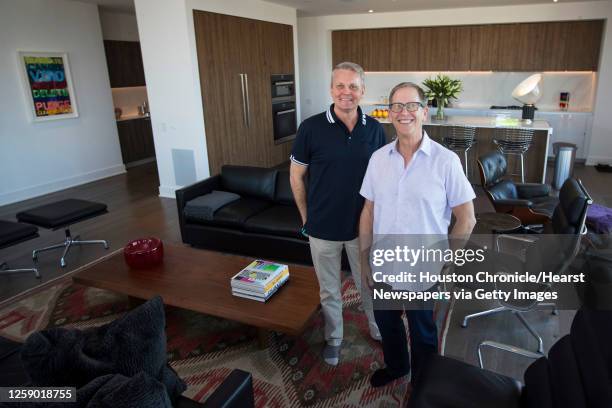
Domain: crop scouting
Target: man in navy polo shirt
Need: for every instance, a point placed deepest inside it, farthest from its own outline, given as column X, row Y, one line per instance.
column 332, row 149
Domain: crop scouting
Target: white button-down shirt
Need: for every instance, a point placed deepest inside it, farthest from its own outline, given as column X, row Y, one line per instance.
column 416, row 200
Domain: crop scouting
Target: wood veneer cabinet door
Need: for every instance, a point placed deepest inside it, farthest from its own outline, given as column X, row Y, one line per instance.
column 459, row 46
column 552, row 51
column 485, row 43
column 521, row 47
column 348, row 45
column 582, row 45
column 376, row 56
column 217, row 39
column 404, row 48
column 434, row 53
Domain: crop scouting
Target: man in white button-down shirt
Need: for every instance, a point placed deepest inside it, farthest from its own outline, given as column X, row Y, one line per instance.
column 411, row 187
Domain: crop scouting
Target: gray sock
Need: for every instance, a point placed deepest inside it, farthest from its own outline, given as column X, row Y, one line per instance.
column 331, row 354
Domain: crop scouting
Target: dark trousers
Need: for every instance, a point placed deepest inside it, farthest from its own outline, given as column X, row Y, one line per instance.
column 423, row 339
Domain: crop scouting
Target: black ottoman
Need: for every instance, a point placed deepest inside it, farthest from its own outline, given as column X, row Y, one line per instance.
column 62, row 214
column 12, row 233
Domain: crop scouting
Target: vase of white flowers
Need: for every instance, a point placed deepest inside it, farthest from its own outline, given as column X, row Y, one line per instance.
column 442, row 88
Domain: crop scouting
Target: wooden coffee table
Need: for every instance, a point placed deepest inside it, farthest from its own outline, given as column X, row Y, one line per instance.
column 199, row 280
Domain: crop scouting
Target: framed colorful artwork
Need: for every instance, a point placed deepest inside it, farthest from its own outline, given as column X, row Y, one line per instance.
column 48, row 85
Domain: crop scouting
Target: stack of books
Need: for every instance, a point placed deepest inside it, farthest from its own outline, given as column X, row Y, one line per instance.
column 259, row 280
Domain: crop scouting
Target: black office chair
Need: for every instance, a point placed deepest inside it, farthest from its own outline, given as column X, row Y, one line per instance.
column 529, row 202
column 543, row 254
column 577, row 373
column 12, row 233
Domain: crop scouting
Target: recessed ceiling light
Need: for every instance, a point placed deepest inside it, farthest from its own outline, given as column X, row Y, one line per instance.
column 370, row 11
column 554, row 1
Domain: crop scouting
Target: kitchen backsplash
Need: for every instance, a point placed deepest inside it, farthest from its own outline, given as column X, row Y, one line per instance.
column 128, row 99
column 482, row 89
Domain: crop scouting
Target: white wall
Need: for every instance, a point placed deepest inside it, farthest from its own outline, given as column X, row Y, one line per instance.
column 119, row 26
column 167, row 40
column 316, row 59
column 37, row 158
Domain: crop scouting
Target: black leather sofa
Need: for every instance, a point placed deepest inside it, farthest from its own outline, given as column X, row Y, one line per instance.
column 263, row 223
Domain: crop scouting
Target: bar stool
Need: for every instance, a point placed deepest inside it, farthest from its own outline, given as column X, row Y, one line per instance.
column 514, row 142
column 461, row 139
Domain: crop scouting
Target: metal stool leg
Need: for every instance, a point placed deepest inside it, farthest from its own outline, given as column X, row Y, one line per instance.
column 483, row 313
column 4, row 269
column 465, row 157
column 522, row 169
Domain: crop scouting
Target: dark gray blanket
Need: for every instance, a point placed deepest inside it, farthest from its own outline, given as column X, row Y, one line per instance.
column 133, row 346
column 204, row 207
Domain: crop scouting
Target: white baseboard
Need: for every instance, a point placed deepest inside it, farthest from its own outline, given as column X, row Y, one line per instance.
column 593, row 160
column 57, row 185
column 168, row 191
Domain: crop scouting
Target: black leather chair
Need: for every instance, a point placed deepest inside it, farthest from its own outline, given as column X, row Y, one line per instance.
column 568, row 227
column 12, row 233
column 529, row 202
column 577, row 373
column 236, row 391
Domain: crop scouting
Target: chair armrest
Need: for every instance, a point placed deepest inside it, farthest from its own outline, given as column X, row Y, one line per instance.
column 532, row 190
column 192, row 191
column 513, row 202
column 235, row 392
column 505, row 347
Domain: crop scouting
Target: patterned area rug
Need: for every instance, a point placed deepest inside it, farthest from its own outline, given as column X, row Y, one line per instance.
column 204, row 350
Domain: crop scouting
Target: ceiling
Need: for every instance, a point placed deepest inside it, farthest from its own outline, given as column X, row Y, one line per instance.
column 329, row 7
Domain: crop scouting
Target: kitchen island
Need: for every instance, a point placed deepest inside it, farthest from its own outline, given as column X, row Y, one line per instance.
column 535, row 158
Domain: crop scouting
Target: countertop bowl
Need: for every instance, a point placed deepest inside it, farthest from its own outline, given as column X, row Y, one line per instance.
column 144, row 253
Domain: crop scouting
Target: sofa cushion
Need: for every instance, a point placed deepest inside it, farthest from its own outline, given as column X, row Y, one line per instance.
column 233, row 214
column 255, row 182
column 284, row 195
column 276, row 220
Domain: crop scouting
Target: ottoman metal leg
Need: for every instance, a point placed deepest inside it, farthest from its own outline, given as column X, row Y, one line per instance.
column 4, row 269
column 69, row 242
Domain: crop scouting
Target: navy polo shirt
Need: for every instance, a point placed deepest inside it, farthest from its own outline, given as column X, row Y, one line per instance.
column 337, row 160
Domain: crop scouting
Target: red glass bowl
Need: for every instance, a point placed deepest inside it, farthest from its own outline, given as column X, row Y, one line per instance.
column 144, row 253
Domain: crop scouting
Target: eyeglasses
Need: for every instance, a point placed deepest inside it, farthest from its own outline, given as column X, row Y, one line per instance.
column 410, row 106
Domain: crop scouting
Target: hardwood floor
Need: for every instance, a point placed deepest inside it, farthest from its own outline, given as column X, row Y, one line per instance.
column 136, row 210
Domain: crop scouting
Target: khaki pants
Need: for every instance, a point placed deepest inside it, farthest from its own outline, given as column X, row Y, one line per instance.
column 326, row 257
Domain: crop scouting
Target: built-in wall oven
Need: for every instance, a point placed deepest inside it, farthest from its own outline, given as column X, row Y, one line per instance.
column 284, row 118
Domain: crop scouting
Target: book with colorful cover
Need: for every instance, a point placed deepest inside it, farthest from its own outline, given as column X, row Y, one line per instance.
column 257, row 296
column 284, row 275
column 258, row 274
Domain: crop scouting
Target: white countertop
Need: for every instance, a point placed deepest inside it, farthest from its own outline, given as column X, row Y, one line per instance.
column 484, row 122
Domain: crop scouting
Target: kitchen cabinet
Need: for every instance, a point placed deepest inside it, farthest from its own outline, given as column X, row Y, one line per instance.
column 582, row 45
column 124, row 61
column 136, row 140
column 485, row 46
column 570, row 128
column 547, row 46
column 236, row 57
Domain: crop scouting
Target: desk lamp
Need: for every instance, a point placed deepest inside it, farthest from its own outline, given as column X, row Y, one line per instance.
column 528, row 93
